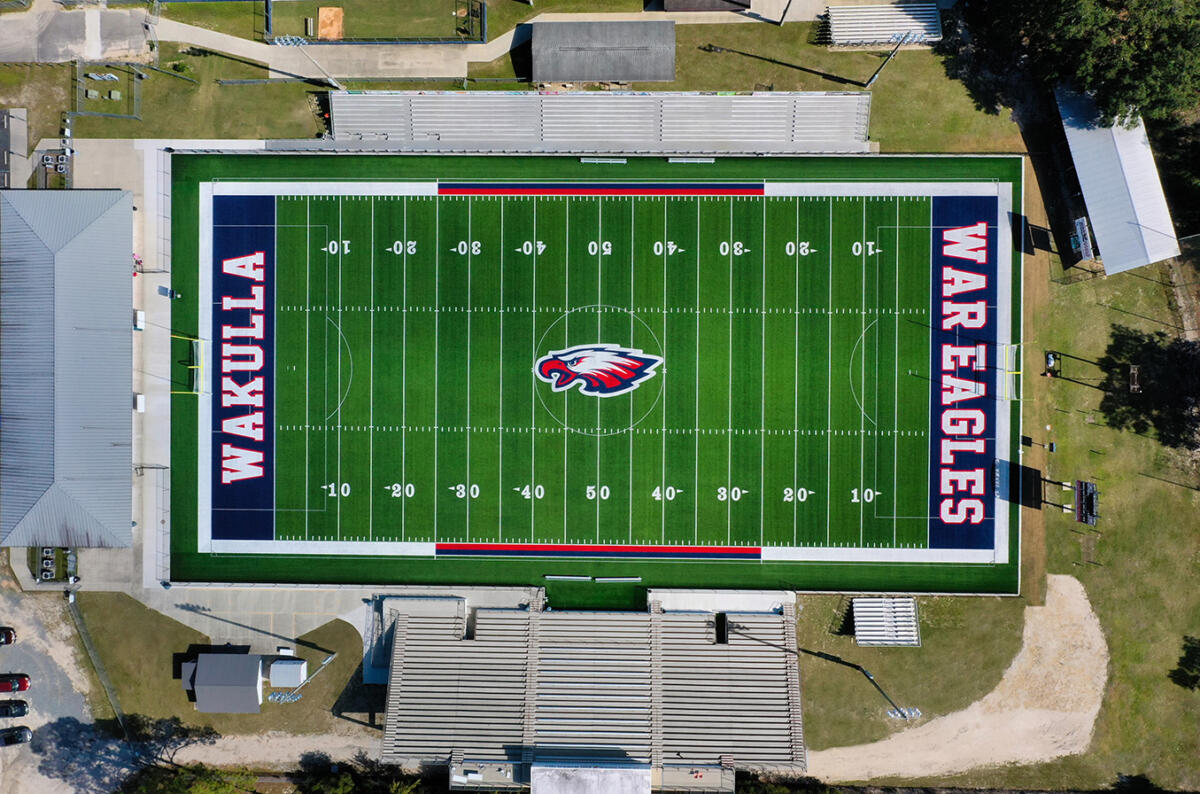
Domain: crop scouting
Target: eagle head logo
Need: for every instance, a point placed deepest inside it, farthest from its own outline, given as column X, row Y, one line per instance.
column 601, row 370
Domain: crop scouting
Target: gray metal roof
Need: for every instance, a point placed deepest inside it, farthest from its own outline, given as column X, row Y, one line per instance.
column 66, row 353
column 915, row 23
column 647, row 688
column 228, row 683
column 601, row 122
column 617, row 52
column 1124, row 198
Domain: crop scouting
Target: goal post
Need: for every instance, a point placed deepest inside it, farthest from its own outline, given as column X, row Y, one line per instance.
column 189, row 361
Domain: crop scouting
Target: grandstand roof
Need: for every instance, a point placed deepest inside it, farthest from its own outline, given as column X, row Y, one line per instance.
column 588, row 689
column 1121, row 188
column 602, row 123
column 620, row 52
column 915, row 23
column 66, row 419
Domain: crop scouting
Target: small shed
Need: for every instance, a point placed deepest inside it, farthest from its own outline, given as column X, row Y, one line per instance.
column 225, row 683
column 288, row 673
column 612, row 52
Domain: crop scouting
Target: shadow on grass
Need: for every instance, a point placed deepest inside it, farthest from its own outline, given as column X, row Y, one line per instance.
column 1166, row 398
column 1187, row 673
column 362, row 704
column 712, row 48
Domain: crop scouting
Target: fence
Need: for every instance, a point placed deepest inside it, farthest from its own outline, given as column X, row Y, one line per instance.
column 471, row 28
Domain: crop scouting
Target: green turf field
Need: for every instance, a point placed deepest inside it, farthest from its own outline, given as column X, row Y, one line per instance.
column 796, row 373
column 791, row 408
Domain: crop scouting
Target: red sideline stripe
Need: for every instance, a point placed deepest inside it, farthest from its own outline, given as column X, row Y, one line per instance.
column 610, row 548
column 447, row 191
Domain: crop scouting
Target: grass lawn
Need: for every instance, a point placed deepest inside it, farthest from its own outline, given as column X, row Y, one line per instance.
column 365, row 19
column 783, row 58
column 967, row 643
column 1143, row 583
column 44, row 89
column 174, row 108
column 504, row 15
column 139, row 663
column 244, row 19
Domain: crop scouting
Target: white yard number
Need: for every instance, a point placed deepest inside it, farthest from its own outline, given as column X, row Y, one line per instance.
column 402, row 489
column 336, row 489
column 595, row 492
column 793, row 248
column 527, row 491
column 669, row 493
column 465, row 247
column 867, row 494
column 337, row 247
column 403, row 247
column 857, row 248
column 733, row 494
column 529, row 246
column 796, row 494
column 596, row 248
column 669, row 247
column 462, row 491
column 736, row 247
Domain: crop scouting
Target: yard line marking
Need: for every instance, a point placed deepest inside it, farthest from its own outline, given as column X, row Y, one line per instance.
column 533, row 385
column 404, row 371
column 566, row 336
column 500, row 358
column 796, row 372
column 632, row 265
column 696, row 422
column 663, row 470
column 337, row 499
column 371, row 394
column 862, row 366
column 470, row 239
column 729, row 393
column 829, row 383
column 307, row 324
column 599, row 300
column 762, row 386
column 437, row 327
column 896, row 376
column 275, row 373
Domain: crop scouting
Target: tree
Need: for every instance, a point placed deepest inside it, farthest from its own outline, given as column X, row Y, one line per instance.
column 1134, row 56
column 190, row 779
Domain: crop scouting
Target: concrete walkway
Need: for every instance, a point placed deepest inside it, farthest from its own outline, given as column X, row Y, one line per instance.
column 47, row 33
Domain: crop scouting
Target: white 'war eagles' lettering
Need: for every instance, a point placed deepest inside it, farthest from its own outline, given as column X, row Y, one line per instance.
column 238, row 463
column 963, row 426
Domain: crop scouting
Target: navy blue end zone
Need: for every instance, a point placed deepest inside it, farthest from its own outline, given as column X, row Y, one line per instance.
column 964, row 359
column 243, row 401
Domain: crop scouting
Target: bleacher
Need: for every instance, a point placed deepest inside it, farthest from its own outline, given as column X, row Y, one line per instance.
column 908, row 23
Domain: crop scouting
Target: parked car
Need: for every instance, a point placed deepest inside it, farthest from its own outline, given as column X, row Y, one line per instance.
column 10, row 709
column 14, row 682
column 18, row 735
column 7, row 636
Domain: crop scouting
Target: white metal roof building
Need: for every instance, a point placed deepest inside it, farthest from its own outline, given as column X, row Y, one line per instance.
column 594, row 122
column 66, row 398
column 912, row 23
column 530, row 689
column 1121, row 188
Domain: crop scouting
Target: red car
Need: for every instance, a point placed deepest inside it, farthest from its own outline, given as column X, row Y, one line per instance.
column 14, row 682
column 7, row 636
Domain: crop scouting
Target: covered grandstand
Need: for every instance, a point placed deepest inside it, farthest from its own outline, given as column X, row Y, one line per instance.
column 680, row 698
column 590, row 122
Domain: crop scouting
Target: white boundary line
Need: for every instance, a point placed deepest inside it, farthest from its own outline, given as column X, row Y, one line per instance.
column 324, row 188
column 1003, row 319
column 204, row 400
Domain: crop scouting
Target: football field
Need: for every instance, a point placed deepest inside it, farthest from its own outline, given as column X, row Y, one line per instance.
column 649, row 369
